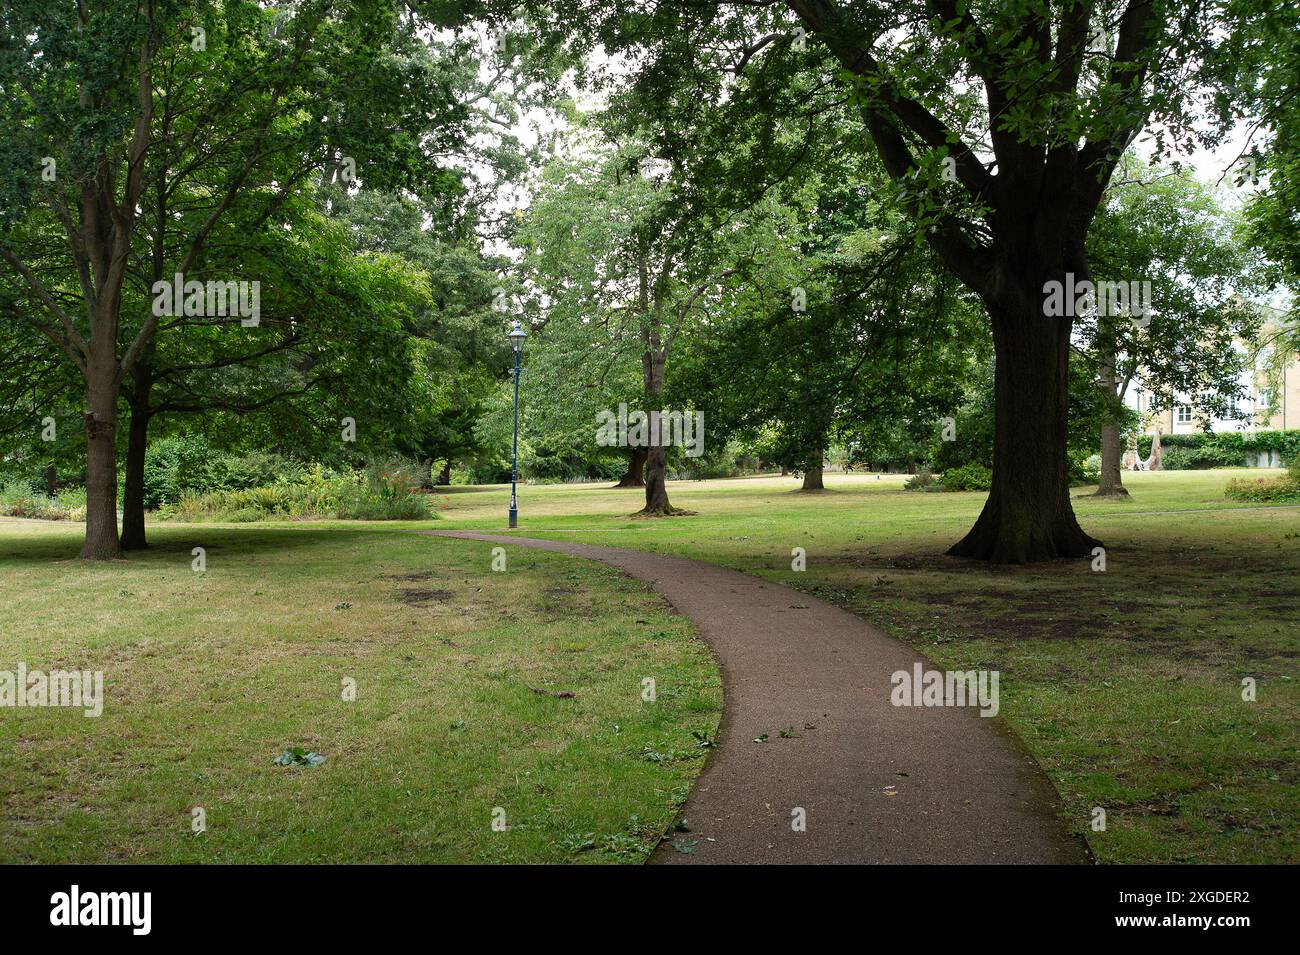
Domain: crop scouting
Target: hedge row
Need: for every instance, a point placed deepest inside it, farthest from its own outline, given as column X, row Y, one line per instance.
column 1224, row 449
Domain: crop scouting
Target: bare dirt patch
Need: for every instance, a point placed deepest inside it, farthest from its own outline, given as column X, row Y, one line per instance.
column 419, row 596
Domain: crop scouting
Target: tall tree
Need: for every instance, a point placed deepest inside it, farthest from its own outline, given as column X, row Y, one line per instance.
column 119, row 104
column 869, row 337
column 332, row 339
column 1162, row 227
column 1266, row 45
column 1000, row 123
column 623, row 264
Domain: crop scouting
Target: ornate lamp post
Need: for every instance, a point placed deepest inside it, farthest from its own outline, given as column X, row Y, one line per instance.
column 516, row 336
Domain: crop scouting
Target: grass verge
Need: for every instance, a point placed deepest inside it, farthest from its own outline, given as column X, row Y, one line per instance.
column 459, row 673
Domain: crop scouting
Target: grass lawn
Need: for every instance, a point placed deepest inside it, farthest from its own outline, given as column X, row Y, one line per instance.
column 208, row 677
column 1126, row 684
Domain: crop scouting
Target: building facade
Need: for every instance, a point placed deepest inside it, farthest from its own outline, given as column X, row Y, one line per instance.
column 1264, row 406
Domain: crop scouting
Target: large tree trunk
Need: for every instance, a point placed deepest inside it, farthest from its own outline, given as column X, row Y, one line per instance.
column 812, row 472
column 137, row 443
column 1028, row 516
column 1112, row 482
column 656, row 485
column 133, row 535
column 101, row 458
column 444, row 476
column 635, row 476
column 656, row 463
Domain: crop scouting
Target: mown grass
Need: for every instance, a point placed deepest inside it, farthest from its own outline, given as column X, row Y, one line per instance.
column 209, row 676
column 1126, row 684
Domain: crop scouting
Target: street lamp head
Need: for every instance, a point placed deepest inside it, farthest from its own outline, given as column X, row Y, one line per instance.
column 517, row 336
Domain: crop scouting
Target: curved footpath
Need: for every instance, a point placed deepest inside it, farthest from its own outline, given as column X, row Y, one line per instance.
column 878, row 783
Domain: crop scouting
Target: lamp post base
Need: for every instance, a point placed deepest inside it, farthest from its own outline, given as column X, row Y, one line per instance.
column 514, row 518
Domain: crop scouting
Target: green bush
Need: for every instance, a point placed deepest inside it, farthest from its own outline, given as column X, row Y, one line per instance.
column 18, row 499
column 968, row 477
column 174, row 467
column 920, row 481
column 703, row 469
column 1228, row 449
column 1203, row 456
column 1085, row 472
column 384, row 492
column 1177, row 459
column 240, row 472
column 183, row 465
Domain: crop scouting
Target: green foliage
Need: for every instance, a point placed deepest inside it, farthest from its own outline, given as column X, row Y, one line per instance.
column 1267, row 41
column 174, row 467
column 974, row 421
column 722, row 461
column 19, row 499
column 187, row 464
column 1199, row 459
column 922, row 480
column 299, row 756
column 1227, row 449
column 1085, row 471
column 968, row 477
column 380, row 493
column 1280, row 490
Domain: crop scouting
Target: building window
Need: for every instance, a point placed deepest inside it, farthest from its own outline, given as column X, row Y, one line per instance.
column 1184, row 414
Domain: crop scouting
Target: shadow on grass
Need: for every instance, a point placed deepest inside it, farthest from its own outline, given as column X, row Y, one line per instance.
column 41, row 547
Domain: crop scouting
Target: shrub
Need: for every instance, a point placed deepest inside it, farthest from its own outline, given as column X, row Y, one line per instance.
column 968, row 477
column 1280, row 490
column 1264, row 490
column 1086, row 471
column 175, row 466
column 1226, row 449
column 703, row 469
column 374, row 495
column 240, row 472
column 919, row 481
column 1177, row 459
column 187, row 464
column 17, row 499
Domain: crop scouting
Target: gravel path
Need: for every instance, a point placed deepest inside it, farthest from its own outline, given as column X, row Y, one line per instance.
column 877, row 783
